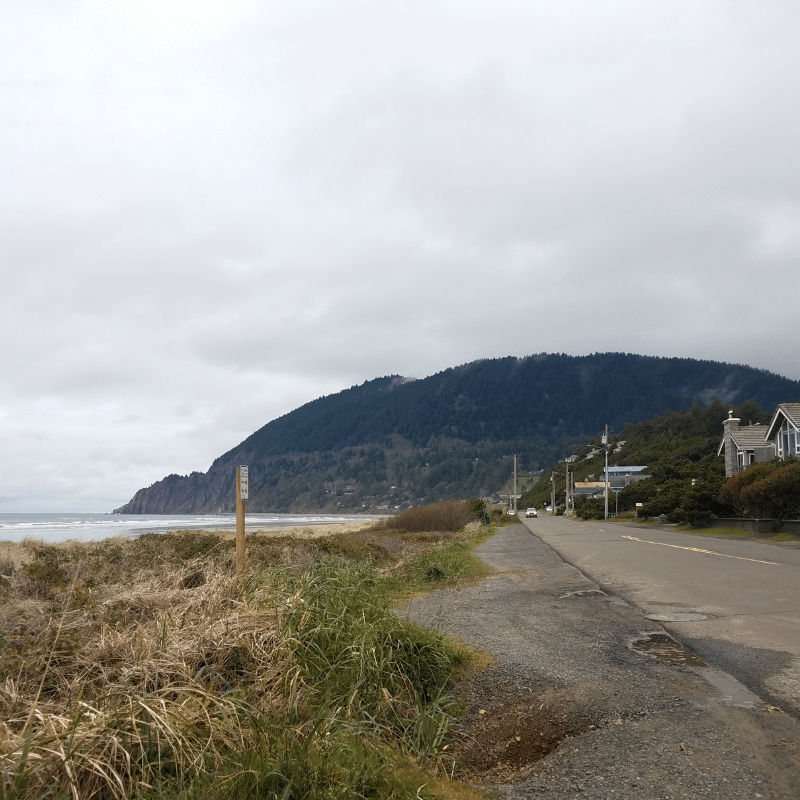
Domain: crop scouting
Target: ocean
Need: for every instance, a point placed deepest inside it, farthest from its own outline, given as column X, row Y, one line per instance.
column 56, row 527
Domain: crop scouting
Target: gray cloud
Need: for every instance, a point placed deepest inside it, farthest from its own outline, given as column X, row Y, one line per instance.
column 217, row 211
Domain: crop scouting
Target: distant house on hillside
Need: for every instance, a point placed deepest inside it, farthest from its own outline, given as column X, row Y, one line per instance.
column 589, row 489
column 743, row 445
column 618, row 479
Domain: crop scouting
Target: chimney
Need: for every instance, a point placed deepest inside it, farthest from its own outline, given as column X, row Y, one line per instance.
column 731, row 424
column 729, row 427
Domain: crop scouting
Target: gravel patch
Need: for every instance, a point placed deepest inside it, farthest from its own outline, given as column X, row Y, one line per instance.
column 569, row 708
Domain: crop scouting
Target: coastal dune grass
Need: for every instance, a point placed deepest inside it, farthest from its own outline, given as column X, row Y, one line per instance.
column 144, row 669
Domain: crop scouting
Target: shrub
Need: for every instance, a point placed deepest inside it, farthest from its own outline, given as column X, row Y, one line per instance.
column 765, row 491
column 477, row 508
column 592, row 508
column 451, row 515
column 47, row 571
column 775, row 496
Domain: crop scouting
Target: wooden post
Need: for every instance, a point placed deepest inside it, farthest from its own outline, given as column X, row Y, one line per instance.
column 241, row 492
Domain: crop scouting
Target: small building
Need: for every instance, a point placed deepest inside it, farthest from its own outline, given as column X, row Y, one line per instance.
column 589, row 489
column 620, row 477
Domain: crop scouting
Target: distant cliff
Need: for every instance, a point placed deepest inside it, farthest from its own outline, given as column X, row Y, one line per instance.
column 393, row 441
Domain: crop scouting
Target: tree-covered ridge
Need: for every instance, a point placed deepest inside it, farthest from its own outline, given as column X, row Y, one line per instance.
column 403, row 442
column 508, row 398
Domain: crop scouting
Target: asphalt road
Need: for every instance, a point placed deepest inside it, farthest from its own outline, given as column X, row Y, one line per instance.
column 749, row 593
column 583, row 696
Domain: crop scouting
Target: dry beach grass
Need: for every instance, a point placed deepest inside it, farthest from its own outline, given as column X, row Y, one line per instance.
column 19, row 552
column 135, row 668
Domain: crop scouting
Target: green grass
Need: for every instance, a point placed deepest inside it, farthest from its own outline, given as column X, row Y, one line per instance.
column 784, row 537
column 446, row 565
column 367, row 698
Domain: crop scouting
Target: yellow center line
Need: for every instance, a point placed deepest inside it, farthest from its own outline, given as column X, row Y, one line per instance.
column 700, row 550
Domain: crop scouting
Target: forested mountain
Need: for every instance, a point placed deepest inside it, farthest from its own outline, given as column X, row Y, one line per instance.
column 398, row 441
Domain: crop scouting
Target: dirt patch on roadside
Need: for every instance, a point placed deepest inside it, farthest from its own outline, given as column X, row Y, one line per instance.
column 501, row 742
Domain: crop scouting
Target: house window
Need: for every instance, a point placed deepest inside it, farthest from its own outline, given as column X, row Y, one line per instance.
column 740, row 457
column 751, row 457
column 788, row 440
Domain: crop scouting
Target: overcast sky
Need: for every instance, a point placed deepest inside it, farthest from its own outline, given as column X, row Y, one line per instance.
column 214, row 212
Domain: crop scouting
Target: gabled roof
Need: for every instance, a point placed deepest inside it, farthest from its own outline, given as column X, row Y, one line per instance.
column 747, row 437
column 750, row 436
column 790, row 411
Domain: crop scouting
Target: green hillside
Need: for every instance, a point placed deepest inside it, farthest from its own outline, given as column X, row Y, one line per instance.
column 679, row 450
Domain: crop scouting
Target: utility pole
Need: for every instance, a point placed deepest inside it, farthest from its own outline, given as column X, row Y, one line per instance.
column 515, row 483
column 605, row 447
column 241, row 493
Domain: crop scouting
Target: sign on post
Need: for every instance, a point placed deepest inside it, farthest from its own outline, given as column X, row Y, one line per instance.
column 241, row 491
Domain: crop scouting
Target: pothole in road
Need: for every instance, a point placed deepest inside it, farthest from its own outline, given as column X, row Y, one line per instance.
column 584, row 593
column 677, row 616
column 660, row 645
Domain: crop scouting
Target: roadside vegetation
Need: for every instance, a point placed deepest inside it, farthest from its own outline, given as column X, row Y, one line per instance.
column 680, row 453
column 687, row 478
column 144, row 669
column 766, row 491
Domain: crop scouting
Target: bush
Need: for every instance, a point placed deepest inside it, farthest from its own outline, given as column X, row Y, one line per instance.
column 765, row 491
column 47, row 571
column 775, row 496
column 591, row 508
column 451, row 515
column 700, row 519
column 477, row 508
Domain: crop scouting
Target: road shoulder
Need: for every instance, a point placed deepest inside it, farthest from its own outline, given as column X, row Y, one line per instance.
column 569, row 708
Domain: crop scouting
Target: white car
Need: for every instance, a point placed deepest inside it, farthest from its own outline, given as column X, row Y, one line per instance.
column 531, row 512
